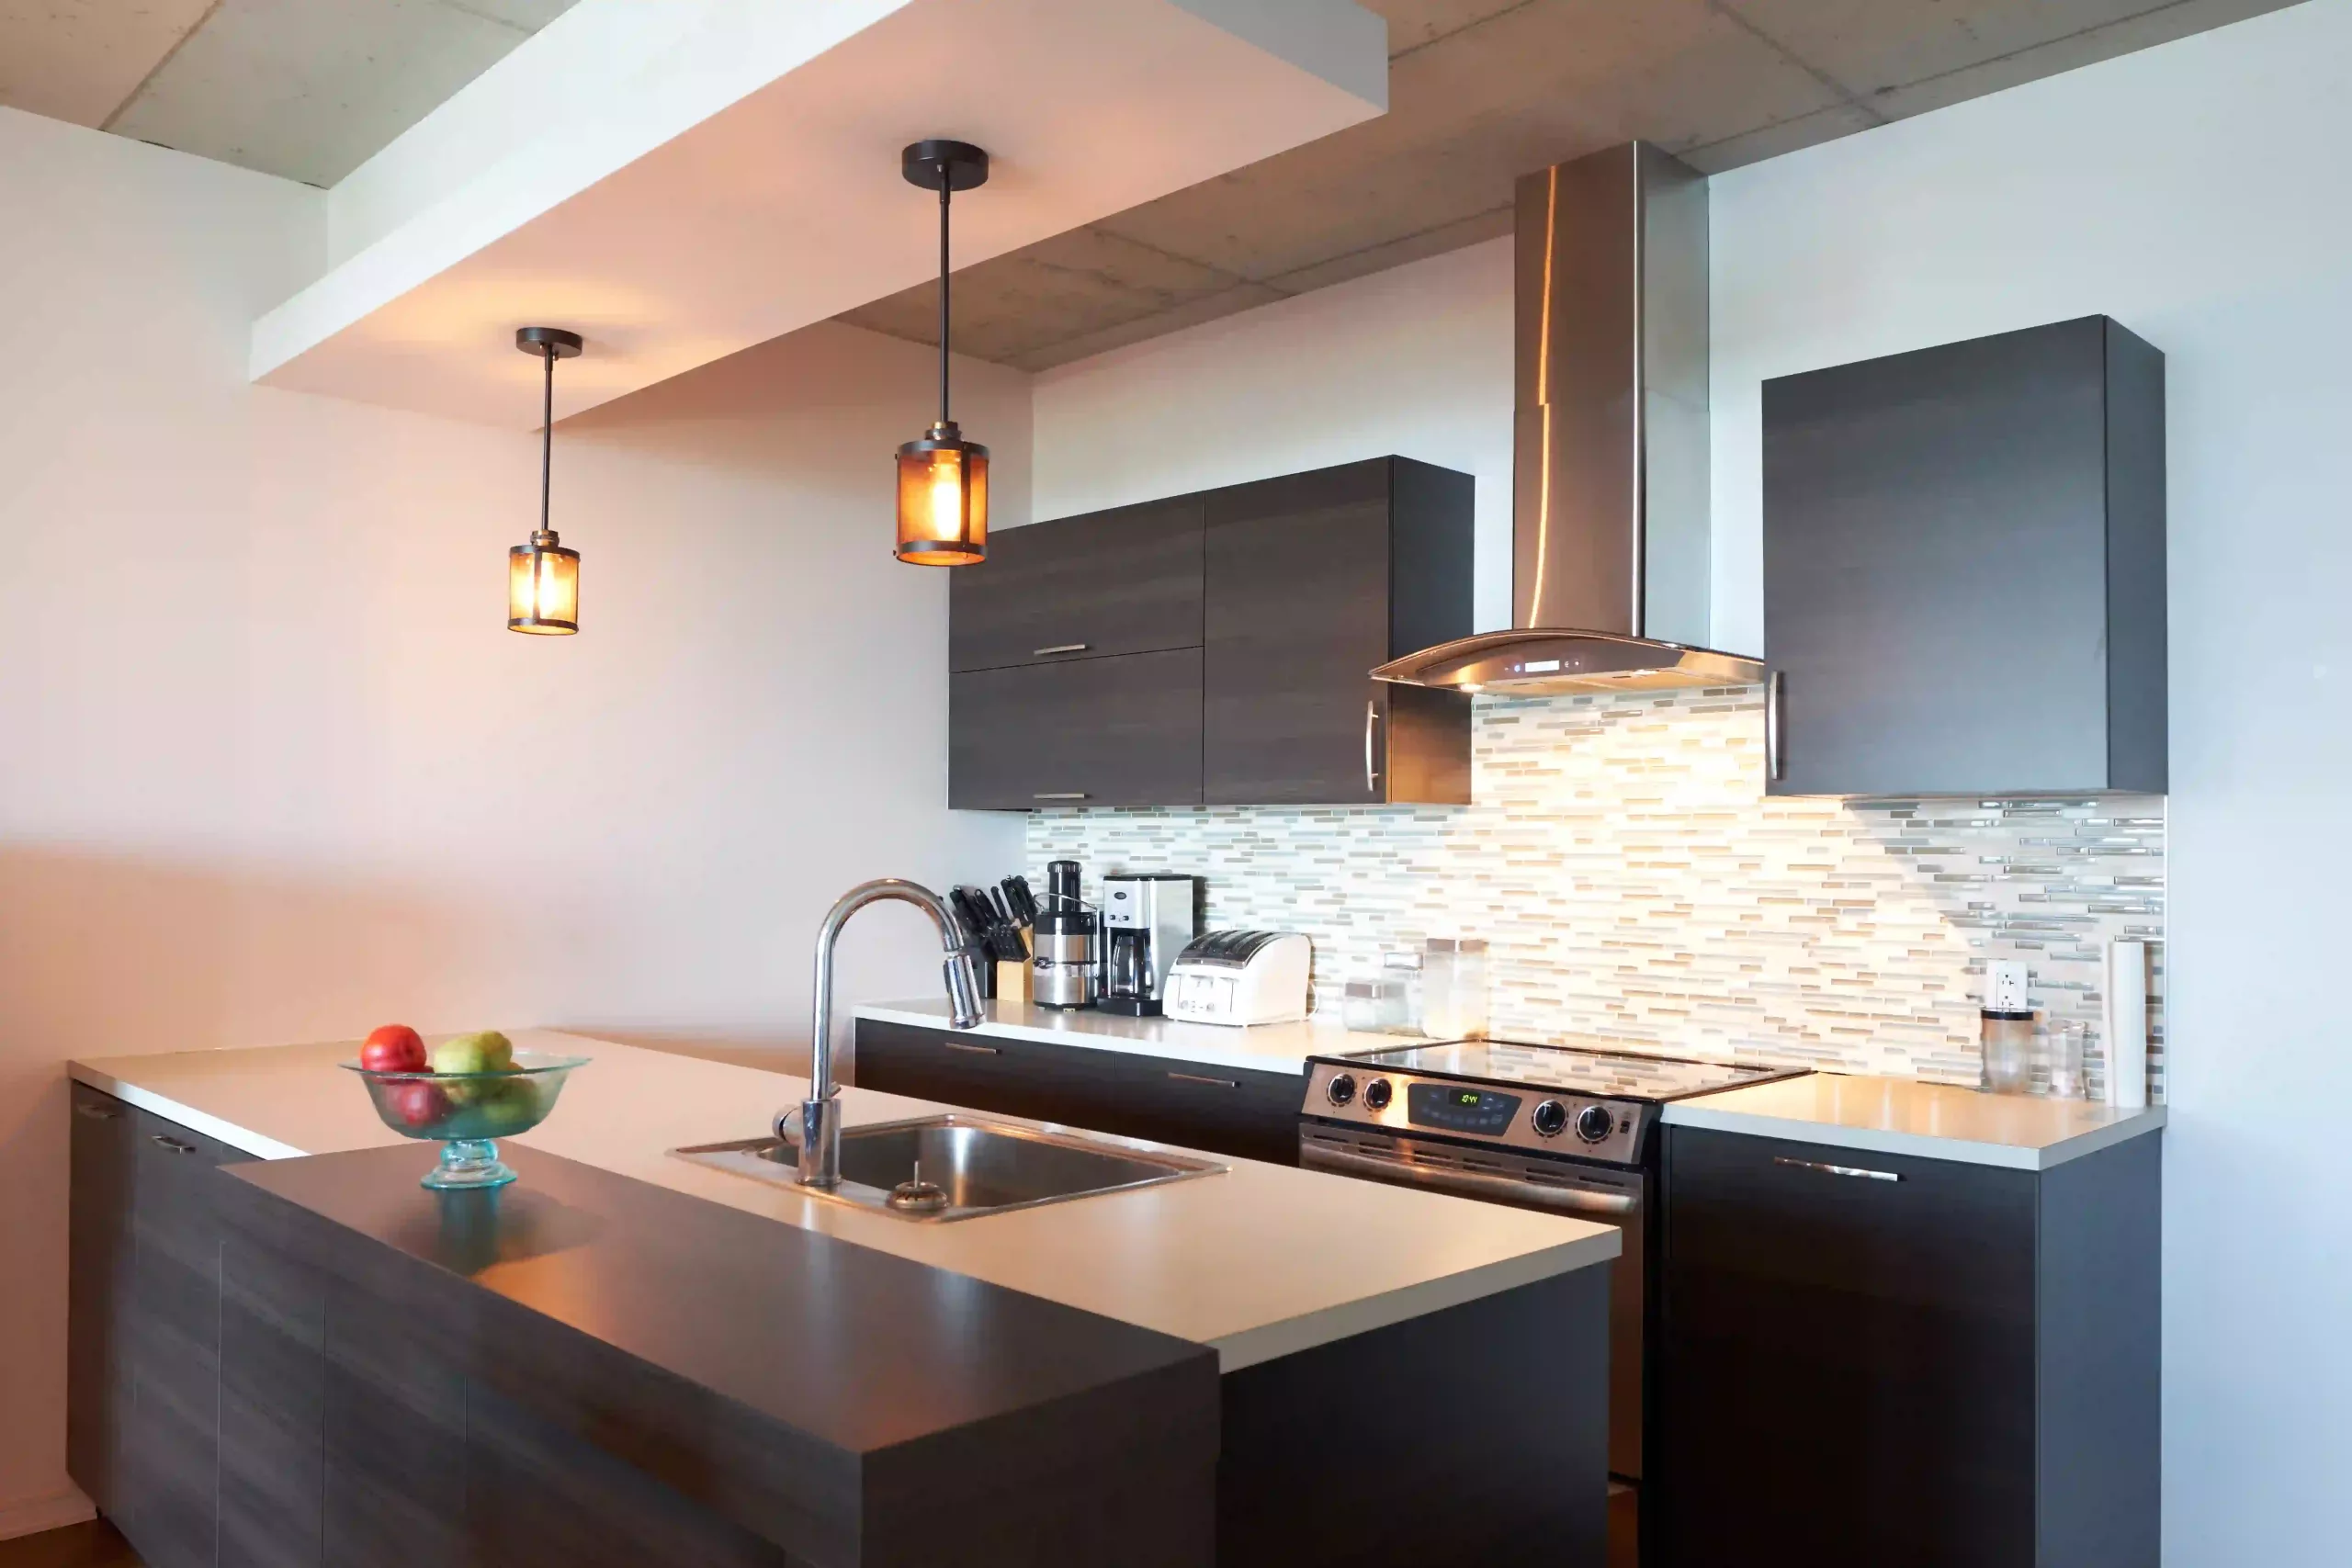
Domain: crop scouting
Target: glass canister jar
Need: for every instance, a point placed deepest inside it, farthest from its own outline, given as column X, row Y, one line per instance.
column 2009, row 1051
column 1401, row 968
column 1454, row 988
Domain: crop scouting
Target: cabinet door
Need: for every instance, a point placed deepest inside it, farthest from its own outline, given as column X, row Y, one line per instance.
column 169, row 1476
column 1847, row 1360
column 98, row 1282
column 1109, row 582
column 1123, row 731
column 1248, row 1115
column 1297, row 616
column 934, row 1065
column 1940, row 582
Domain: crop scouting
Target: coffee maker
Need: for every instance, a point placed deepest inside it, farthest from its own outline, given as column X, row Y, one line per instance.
column 1147, row 920
column 1062, row 970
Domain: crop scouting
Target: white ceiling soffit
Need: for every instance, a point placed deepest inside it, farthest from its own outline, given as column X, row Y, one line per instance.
column 680, row 179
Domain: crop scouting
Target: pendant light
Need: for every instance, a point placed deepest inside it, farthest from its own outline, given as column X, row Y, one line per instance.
column 542, row 577
column 943, row 479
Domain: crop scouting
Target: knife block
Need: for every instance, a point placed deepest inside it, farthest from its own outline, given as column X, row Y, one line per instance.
column 1012, row 980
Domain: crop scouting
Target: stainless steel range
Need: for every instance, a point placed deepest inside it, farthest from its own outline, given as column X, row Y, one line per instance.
column 1568, row 1128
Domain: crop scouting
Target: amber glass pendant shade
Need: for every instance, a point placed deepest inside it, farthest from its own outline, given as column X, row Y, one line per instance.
column 542, row 577
column 543, row 587
column 942, row 500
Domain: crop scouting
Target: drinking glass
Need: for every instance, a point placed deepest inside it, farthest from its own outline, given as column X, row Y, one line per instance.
column 2063, row 1051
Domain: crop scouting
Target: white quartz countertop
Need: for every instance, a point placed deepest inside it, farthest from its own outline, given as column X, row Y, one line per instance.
column 1262, row 1047
column 1904, row 1116
column 1257, row 1262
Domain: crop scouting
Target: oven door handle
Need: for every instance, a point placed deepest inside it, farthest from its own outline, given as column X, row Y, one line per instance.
column 1469, row 1183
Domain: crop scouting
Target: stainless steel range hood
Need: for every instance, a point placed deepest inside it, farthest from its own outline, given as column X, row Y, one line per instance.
column 1609, row 485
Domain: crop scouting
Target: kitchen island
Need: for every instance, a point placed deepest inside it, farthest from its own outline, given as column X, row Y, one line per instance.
column 1188, row 1370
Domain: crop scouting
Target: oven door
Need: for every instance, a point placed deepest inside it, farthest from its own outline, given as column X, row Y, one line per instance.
column 1609, row 1195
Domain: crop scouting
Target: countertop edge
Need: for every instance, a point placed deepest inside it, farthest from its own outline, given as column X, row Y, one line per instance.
column 1919, row 1145
column 1273, row 1340
column 242, row 1139
column 1239, row 1059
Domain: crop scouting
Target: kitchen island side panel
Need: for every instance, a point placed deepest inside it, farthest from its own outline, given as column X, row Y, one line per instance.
column 1419, row 1444
column 567, row 1336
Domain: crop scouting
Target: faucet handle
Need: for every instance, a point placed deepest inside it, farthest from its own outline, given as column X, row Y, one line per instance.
column 787, row 1125
column 963, row 989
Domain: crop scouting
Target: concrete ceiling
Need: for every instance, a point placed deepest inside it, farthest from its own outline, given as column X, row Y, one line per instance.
column 1481, row 91
column 309, row 89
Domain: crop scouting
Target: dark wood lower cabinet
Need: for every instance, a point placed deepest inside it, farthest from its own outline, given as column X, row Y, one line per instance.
column 1227, row 1110
column 1867, row 1359
column 99, row 1255
column 144, row 1342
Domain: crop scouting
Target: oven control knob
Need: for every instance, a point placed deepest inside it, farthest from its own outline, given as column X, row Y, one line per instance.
column 1551, row 1119
column 1341, row 1088
column 1594, row 1122
column 1377, row 1094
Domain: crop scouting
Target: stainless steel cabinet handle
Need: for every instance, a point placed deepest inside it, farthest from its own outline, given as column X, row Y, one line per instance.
column 1058, row 648
column 99, row 1112
column 1836, row 1169
column 172, row 1144
column 1196, row 1077
column 1776, row 760
column 974, row 1049
column 1370, row 773
column 1060, row 795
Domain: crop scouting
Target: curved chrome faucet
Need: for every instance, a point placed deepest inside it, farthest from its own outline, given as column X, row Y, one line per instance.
column 820, row 1128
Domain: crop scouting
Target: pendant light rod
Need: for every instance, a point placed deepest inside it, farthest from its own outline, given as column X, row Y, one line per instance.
column 946, row 167
column 547, row 441
column 946, row 187
column 551, row 344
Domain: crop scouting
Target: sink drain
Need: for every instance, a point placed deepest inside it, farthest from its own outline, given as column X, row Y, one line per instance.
column 917, row 1197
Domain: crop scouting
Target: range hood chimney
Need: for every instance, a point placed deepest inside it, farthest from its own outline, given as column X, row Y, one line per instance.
column 1608, row 487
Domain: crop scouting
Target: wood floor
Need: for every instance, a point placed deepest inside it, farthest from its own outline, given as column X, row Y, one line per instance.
column 94, row 1545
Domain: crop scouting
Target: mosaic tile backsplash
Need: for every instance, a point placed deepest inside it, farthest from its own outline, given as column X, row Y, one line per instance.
column 1633, row 880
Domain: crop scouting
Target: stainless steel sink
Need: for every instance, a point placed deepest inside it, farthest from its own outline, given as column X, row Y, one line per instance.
column 958, row 1168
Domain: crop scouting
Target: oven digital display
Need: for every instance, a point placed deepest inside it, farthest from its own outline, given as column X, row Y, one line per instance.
column 1451, row 1109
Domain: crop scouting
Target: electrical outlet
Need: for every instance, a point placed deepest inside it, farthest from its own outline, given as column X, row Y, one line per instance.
column 2004, row 987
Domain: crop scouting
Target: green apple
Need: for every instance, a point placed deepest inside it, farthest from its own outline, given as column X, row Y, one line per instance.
column 509, row 1107
column 486, row 1052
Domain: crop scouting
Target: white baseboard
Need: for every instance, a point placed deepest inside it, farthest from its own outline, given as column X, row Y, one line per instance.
column 30, row 1516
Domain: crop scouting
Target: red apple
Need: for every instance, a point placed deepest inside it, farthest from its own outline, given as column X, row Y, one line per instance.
column 417, row 1102
column 394, row 1048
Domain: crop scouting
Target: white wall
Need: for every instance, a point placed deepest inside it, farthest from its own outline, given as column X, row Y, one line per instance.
column 1414, row 362
column 2196, row 193
column 272, row 769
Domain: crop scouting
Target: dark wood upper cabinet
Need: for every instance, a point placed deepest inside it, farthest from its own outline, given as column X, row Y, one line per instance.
column 1121, row 731
column 1107, row 583
column 1313, row 579
column 1964, row 568
column 1217, row 648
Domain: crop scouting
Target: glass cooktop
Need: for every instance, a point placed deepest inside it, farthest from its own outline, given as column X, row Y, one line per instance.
column 1594, row 1070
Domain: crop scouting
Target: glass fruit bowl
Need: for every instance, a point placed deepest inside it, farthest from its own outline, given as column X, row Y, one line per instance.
column 468, row 1111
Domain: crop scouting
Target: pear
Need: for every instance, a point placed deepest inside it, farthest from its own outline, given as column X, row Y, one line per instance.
column 485, row 1052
